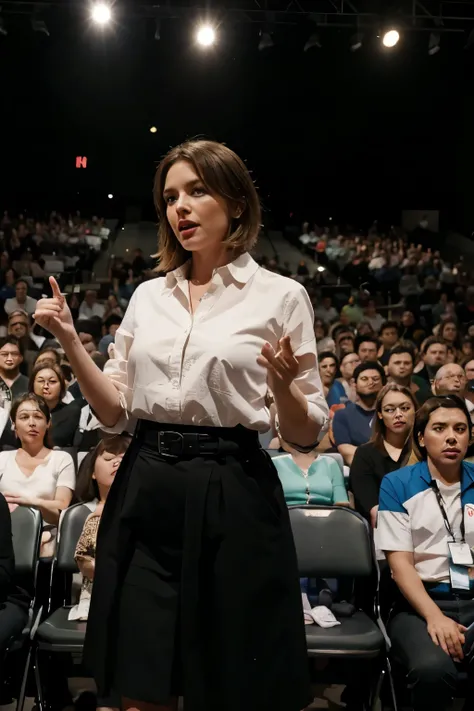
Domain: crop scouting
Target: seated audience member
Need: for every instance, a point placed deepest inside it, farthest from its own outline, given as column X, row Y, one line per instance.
column 112, row 308
column 365, row 329
column 308, row 478
column 400, row 366
column 366, row 348
column 21, row 301
column 47, row 381
column 389, row 448
column 111, row 325
column 411, row 329
column 94, row 480
column 90, row 306
column 13, row 601
column 450, row 379
column 344, row 340
column 469, row 370
column 328, row 369
column 352, row 426
column 372, row 316
column 326, row 311
column 12, row 383
column 467, row 348
column 448, row 331
column 423, row 520
column 388, row 337
column 452, row 354
column 7, row 290
column 47, row 355
column 34, row 475
column 433, row 355
column 342, row 390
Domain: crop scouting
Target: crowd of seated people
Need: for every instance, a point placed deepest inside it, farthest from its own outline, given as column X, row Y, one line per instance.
column 378, row 367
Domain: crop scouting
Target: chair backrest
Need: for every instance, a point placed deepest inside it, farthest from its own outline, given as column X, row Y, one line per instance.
column 26, row 533
column 332, row 541
column 70, row 528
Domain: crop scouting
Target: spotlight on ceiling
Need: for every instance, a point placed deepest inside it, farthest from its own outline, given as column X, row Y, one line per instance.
column 266, row 41
column 356, row 41
column 390, row 38
column 101, row 13
column 157, row 30
column 153, row 129
column 313, row 41
column 206, row 35
column 434, row 43
column 39, row 26
column 3, row 29
column 110, row 196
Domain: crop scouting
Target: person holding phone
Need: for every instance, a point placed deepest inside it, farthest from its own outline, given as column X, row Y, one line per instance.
column 425, row 527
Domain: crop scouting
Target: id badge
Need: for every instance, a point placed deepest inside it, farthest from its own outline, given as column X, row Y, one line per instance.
column 459, row 577
column 460, row 553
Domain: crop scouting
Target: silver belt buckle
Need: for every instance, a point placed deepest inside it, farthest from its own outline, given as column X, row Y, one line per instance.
column 163, row 448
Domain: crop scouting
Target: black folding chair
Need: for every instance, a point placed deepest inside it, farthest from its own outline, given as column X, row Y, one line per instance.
column 335, row 542
column 26, row 534
column 57, row 633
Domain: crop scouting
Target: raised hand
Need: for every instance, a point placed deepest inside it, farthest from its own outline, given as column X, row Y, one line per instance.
column 54, row 314
column 282, row 366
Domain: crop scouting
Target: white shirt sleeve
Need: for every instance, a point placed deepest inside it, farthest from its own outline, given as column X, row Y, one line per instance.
column 299, row 326
column 393, row 531
column 65, row 468
column 116, row 367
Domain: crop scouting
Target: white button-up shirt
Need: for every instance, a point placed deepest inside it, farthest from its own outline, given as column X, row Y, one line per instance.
column 173, row 366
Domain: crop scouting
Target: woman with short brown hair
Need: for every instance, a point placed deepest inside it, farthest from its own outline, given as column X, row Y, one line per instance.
column 196, row 587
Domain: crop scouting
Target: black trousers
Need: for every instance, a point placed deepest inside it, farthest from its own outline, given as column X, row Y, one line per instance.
column 431, row 674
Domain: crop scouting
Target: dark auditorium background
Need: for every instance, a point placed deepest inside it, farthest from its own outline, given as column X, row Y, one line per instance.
column 361, row 134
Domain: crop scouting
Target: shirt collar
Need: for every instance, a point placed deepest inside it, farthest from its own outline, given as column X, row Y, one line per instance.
column 467, row 474
column 240, row 270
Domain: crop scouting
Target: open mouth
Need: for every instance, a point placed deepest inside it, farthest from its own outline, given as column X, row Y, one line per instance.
column 184, row 225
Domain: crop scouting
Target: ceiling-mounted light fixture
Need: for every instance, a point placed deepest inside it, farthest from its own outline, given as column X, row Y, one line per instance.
column 266, row 33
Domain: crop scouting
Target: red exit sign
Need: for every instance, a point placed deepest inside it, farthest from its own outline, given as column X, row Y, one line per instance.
column 81, row 161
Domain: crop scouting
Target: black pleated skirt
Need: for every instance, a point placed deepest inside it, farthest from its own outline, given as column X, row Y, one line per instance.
column 196, row 589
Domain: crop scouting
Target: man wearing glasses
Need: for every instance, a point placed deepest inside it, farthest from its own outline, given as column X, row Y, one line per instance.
column 352, row 426
column 12, row 382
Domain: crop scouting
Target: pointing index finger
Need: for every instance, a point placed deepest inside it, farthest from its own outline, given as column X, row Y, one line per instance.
column 55, row 287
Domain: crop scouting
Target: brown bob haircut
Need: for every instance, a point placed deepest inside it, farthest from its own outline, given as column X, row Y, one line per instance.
column 86, row 487
column 48, row 365
column 378, row 426
column 224, row 174
column 41, row 406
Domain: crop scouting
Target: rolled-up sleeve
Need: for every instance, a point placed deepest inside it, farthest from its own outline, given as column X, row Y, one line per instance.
column 116, row 369
column 299, row 326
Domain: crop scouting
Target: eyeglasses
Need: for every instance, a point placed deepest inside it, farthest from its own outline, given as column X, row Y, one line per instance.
column 456, row 376
column 4, row 354
column 19, row 323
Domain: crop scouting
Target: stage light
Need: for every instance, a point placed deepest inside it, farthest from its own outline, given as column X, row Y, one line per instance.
column 356, row 41
column 266, row 41
column 390, row 38
column 110, row 196
column 206, row 36
column 101, row 13
column 39, row 26
column 321, row 269
column 157, row 30
column 153, row 129
column 3, row 29
column 314, row 41
column 434, row 43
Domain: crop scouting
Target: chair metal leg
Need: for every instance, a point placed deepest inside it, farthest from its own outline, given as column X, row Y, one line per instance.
column 375, row 695
column 39, row 688
column 22, row 693
column 392, row 685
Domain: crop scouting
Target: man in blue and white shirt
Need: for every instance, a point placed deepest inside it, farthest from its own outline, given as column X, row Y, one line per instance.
column 426, row 529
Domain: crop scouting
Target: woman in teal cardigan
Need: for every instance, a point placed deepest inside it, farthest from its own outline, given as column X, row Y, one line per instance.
column 309, row 478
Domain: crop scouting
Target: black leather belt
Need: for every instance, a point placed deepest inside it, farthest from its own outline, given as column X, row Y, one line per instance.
column 187, row 441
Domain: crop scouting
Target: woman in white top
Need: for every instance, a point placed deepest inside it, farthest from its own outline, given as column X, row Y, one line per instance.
column 35, row 475
column 196, row 588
